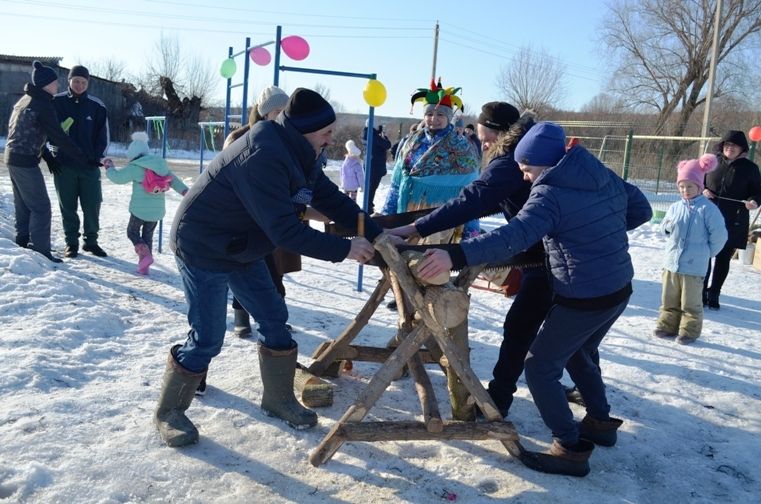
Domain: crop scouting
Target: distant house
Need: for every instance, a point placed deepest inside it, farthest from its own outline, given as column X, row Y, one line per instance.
column 15, row 71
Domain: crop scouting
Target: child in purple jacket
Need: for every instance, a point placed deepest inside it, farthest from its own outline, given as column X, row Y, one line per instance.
column 352, row 173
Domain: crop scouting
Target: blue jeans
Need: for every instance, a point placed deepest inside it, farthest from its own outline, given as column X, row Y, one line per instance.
column 206, row 295
column 569, row 339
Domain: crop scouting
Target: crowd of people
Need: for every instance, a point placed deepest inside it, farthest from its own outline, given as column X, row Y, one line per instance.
column 567, row 218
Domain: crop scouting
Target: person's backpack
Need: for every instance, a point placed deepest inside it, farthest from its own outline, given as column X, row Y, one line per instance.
column 155, row 183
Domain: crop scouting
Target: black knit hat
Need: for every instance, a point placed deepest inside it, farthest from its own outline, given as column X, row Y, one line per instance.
column 735, row 137
column 42, row 75
column 308, row 111
column 79, row 71
column 498, row 115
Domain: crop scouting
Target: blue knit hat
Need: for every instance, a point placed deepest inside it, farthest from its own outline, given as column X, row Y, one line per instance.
column 42, row 75
column 543, row 145
column 308, row 111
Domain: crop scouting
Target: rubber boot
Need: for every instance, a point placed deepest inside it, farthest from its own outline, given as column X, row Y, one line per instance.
column 600, row 432
column 145, row 258
column 242, row 328
column 561, row 459
column 277, row 368
column 177, row 391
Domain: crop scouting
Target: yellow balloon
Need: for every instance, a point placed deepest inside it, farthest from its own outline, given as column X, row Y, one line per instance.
column 374, row 93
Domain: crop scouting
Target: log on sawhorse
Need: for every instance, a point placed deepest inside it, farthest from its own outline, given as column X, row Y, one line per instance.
column 350, row 427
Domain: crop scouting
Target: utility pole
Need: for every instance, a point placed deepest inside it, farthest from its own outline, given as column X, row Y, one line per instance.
column 711, row 75
column 435, row 50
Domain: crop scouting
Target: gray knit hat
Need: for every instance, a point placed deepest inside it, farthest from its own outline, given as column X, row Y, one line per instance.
column 271, row 98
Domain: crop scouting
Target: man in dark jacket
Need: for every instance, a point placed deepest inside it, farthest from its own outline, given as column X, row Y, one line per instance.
column 250, row 200
column 583, row 210
column 735, row 187
column 33, row 120
column 85, row 120
column 381, row 145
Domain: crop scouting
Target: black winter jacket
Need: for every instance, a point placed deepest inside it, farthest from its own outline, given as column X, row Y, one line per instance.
column 251, row 199
column 381, row 145
column 739, row 180
column 89, row 129
column 33, row 120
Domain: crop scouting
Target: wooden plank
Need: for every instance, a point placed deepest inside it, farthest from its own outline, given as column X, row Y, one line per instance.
column 370, row 394
column 416, row 431
column 327, row 356
column 374, row 354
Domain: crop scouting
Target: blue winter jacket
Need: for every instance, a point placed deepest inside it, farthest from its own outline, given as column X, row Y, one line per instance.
column 696, row 232
column 252, row 198
column 582, row 210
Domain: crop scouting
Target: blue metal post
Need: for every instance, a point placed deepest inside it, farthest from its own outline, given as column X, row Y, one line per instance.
column 278, row 36
column 164, row 137
column 246, row 64
column 227, row 97
column 368, row 177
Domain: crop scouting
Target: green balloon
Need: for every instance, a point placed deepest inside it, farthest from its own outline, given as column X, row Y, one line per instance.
column 228, row 68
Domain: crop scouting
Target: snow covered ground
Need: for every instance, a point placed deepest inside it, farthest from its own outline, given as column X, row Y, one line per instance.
column 83, row 346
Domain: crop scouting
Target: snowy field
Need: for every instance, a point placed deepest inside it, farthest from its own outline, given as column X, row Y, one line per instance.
column 83, row 347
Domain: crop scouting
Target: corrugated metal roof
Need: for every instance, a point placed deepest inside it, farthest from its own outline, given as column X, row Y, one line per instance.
column 20, row 59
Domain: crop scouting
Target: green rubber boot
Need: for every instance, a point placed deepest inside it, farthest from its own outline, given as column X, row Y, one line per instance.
column 177, row 393
column 277, row 368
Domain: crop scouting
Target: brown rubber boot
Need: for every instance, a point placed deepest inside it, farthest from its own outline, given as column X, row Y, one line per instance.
column 177, row 393
column 277, row 368
column 561, row 459
column 600, row 432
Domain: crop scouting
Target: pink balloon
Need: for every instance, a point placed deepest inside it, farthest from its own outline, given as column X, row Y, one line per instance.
column 295, row 47
column 260, row 56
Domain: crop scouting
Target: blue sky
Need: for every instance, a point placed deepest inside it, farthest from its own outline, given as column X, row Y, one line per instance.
column 391, row 38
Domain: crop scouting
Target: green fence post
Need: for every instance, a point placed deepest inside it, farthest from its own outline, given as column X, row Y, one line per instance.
column 601, row 155
column 628, row 154
column 752, row 152
column 660, row 167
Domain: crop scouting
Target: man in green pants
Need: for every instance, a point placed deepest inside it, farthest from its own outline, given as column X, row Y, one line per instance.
column 84, row 118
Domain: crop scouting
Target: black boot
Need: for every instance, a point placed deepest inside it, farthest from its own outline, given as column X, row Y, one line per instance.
column 242, row 328
column 573, row 395
column 713, row 300
column 94, row 249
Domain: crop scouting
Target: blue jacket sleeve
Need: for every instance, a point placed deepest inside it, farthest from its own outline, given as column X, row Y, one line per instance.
column 638, row 210
column 499, row 182
column 539, row 216
column 330, row 201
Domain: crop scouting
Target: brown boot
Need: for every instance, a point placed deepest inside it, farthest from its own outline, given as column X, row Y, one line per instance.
column 561, row 459
column 600, row 432
column 176, row 395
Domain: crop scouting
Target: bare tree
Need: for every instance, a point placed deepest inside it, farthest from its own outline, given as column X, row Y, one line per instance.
column 662, row 51
column 110, row 69
column 324, row 91
column 604, row 103
column 190, row 76
column 533, row 80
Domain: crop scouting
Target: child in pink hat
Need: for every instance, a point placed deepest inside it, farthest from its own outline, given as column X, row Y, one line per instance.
column 695, row 232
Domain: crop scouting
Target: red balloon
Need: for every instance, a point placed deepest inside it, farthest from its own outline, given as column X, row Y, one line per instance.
column 260, row 56
column 755, row 133
column 295, row 47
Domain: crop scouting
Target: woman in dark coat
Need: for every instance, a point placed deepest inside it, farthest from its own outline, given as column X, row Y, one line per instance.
column 735, row 187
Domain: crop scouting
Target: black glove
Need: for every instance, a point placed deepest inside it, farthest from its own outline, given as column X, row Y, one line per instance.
column 54, row 166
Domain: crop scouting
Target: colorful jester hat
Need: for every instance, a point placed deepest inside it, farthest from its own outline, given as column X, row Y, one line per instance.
column 437, row 95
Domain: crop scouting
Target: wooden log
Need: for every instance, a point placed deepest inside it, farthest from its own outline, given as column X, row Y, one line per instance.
column 447, row 305
column 362, row 353
column 414, row 259
column 424, row 388
column 416, row 431
column 311, row 390
column 369, row 395
column 327, row 356
column 463, row 407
